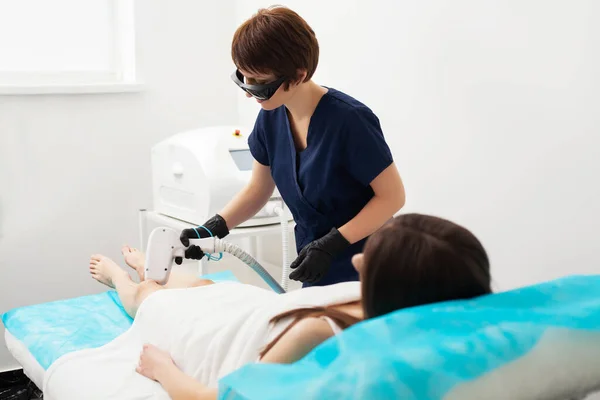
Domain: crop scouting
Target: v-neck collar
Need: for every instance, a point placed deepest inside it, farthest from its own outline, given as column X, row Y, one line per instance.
column 290, row 134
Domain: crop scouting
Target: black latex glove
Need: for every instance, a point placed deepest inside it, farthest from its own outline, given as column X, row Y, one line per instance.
column 314, row 260
column 216, row 225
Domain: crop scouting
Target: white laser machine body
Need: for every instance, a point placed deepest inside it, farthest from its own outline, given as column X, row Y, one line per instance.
column 196, row 173
column 164, row 245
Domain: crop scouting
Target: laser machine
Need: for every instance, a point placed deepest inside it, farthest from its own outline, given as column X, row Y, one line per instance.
column 196, row 173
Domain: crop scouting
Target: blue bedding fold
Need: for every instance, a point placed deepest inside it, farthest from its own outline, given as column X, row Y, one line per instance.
column 427, row 352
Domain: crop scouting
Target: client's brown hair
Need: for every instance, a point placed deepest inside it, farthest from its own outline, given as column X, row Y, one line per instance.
column 413, row 260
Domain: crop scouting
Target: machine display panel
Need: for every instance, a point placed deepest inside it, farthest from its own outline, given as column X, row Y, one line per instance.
column 243, row 159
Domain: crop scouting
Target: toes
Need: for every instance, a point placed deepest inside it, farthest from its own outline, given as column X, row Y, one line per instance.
column 125, row 250
column 97, row 257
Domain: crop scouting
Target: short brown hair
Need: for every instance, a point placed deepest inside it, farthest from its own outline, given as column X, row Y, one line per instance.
column 276, row 40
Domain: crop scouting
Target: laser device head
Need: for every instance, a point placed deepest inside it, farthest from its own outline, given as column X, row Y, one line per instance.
column 163, row 246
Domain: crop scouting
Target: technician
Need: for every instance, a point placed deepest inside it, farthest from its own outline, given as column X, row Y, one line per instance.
column 323, row 149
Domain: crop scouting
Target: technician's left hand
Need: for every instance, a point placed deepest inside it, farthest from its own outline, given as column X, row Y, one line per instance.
column 153, row 361
column 314, row 260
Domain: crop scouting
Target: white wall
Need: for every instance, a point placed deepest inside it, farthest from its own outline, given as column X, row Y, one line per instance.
column 75, row 169
column 491, row 110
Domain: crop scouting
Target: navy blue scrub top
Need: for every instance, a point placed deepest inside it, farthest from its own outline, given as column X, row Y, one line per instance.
column 328, row 183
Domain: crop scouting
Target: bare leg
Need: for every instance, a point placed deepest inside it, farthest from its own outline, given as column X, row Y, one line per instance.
column 177, row 279
column 132, row 294
column 135, row 259
column 181, row 280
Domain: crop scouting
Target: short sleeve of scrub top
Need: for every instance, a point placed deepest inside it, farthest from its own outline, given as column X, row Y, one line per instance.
column 256, row 143
column 366, row 154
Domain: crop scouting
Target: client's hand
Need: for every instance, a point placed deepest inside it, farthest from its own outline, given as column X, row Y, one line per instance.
column 153, row 361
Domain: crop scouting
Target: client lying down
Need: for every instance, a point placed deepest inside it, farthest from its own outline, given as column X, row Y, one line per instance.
column 191, row 332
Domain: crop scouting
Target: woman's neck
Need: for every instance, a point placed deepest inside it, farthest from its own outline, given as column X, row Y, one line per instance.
column 303, row 103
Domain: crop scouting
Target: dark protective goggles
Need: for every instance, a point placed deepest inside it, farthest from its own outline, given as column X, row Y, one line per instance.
column 261, row 92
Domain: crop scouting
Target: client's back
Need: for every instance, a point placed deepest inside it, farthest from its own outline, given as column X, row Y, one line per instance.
column 419, row 259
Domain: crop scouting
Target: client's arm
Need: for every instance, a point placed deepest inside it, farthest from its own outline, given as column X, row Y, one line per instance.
column 295, row 344
column 299, row 341
column 159, row 366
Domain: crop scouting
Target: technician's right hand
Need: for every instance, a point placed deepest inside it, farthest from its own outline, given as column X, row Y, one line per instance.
column 216, row 225
column 192, row 252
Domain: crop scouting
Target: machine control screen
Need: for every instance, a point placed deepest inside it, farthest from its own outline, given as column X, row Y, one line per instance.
column 243, row 159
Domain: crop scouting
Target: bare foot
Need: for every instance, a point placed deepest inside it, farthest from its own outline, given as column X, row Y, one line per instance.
column 104, row 270
column 135, row 259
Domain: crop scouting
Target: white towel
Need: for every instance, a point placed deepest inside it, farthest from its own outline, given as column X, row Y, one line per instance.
column 209, row 331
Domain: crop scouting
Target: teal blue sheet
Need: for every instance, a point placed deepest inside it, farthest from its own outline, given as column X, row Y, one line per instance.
column 424, row 352
column 50, row 330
